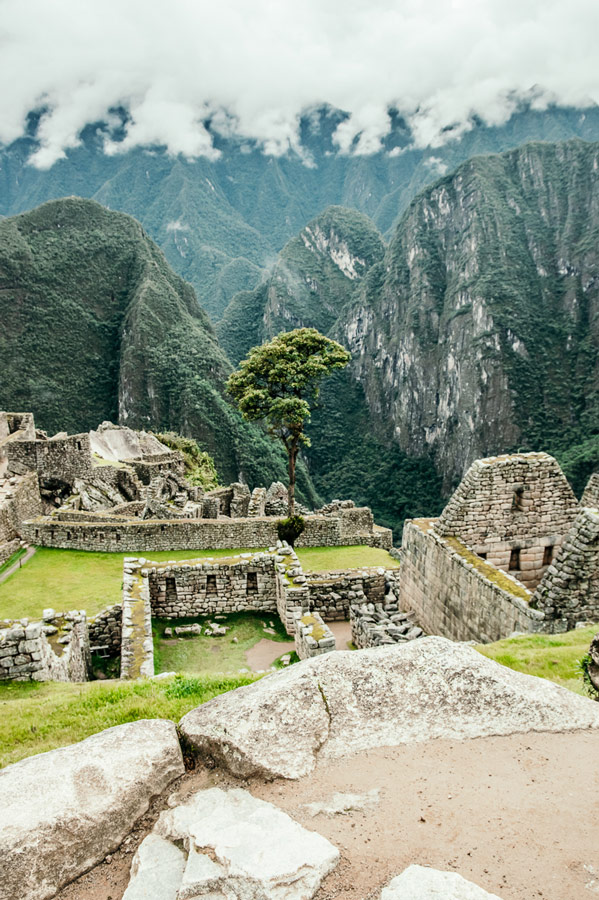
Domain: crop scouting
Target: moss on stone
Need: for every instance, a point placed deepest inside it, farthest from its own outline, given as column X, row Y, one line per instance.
column 491, row 573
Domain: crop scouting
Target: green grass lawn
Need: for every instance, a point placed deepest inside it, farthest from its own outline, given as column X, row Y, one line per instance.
column 330, row 559
column 213, row 654
column 80, row 579
column 38, row 717
column 552, row 656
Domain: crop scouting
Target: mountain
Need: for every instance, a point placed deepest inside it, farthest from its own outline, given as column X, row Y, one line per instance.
column 476, row 333
column 480, row 331
column 317, row 280
column 97, row 326
column 221, row 223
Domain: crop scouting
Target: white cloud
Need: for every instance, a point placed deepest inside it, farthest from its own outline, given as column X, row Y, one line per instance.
column 254, row 67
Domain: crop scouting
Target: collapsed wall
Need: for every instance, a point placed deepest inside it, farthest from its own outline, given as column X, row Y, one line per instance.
column 56, row 649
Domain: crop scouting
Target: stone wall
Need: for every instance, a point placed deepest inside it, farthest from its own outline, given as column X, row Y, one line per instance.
column 137, row 644
column 60, row 458
column 569, row 592
column 201, row 588
column 19, row 500
column 456, row 595
column 105, row 630
column 195, row 534
column 331, row 594
column 514, row 510
column 590, row 496
column 312, row 636
column 150, row 467
column 54, row 650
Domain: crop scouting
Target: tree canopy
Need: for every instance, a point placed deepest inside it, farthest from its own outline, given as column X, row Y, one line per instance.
column 280, row 383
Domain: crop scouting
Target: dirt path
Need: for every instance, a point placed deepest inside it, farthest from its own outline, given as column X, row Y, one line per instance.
column 23, row 559
column 262, row 655
column 516, row 815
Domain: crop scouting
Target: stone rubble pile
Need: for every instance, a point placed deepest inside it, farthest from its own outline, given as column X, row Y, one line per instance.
column 375, row 624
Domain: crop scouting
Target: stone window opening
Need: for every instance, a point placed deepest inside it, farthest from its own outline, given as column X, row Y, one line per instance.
column 515, row 559
column 170, row 588
column 211, row 584
column 518, row 497
column 78, row 443
column 482, row 555
column 548, row 555
column 252, row 583
column 68, row 535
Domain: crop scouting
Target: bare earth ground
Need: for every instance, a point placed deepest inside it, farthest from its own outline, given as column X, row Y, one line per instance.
column 516, row 815
column 262, row 655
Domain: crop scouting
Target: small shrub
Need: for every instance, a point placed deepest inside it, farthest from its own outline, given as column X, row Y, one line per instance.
column 289, row 529
column 583, row 666
column 184, row 686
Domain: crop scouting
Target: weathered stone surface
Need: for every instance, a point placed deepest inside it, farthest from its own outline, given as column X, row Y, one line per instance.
column 342, row 703
column 422, row 883
column 63, row 811
column 156, row 870
column 237, row 846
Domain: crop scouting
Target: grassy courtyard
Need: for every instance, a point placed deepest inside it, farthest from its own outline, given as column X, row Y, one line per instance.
column 79, row 579
column 214, row 654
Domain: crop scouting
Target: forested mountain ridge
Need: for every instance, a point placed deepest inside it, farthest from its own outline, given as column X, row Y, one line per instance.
column 482, row 334
column 97, row 326
column 221, row 223
column 477, row 333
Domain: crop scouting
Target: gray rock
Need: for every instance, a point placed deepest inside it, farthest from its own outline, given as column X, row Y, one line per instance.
column 242, row 847
column 63, row 811
column 156, row 870
column 341, row 703
column 423, row 883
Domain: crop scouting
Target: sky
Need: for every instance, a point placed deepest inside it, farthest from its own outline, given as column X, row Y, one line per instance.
column 253, row 66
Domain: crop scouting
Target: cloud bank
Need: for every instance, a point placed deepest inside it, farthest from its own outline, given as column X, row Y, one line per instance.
column 253, row 68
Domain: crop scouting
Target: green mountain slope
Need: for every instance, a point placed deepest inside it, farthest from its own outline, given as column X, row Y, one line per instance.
column 97, row 326
column 220, row 223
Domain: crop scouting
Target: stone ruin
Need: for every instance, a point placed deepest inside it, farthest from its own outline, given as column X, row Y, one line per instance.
column 513, row 550
column 120, row 478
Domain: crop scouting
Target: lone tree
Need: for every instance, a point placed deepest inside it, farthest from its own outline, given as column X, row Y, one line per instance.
column 280, row 382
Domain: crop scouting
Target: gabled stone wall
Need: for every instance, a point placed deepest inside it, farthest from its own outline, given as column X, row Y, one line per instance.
column 514, row 510
column 590, row 496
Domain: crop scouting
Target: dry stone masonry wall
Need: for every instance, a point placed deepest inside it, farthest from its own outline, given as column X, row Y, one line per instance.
column 56, row 649
column 514, row 510
column 137, row 646
column 456, row 597
column 146, row 536
column 312, row 636
column 569, row 592
column 376, row 624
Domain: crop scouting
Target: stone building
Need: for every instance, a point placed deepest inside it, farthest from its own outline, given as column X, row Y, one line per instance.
column 512, row 551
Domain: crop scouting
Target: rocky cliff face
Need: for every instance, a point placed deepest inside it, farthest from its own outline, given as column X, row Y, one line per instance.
column 479, row 333
column 313, row 280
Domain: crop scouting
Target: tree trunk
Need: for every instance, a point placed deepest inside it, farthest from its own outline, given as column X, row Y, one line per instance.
column 291, row 488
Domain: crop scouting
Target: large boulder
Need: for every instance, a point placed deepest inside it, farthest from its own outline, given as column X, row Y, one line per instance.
column 422, row 883
column 63, row 811
column 342, row 703
column 235, row 846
